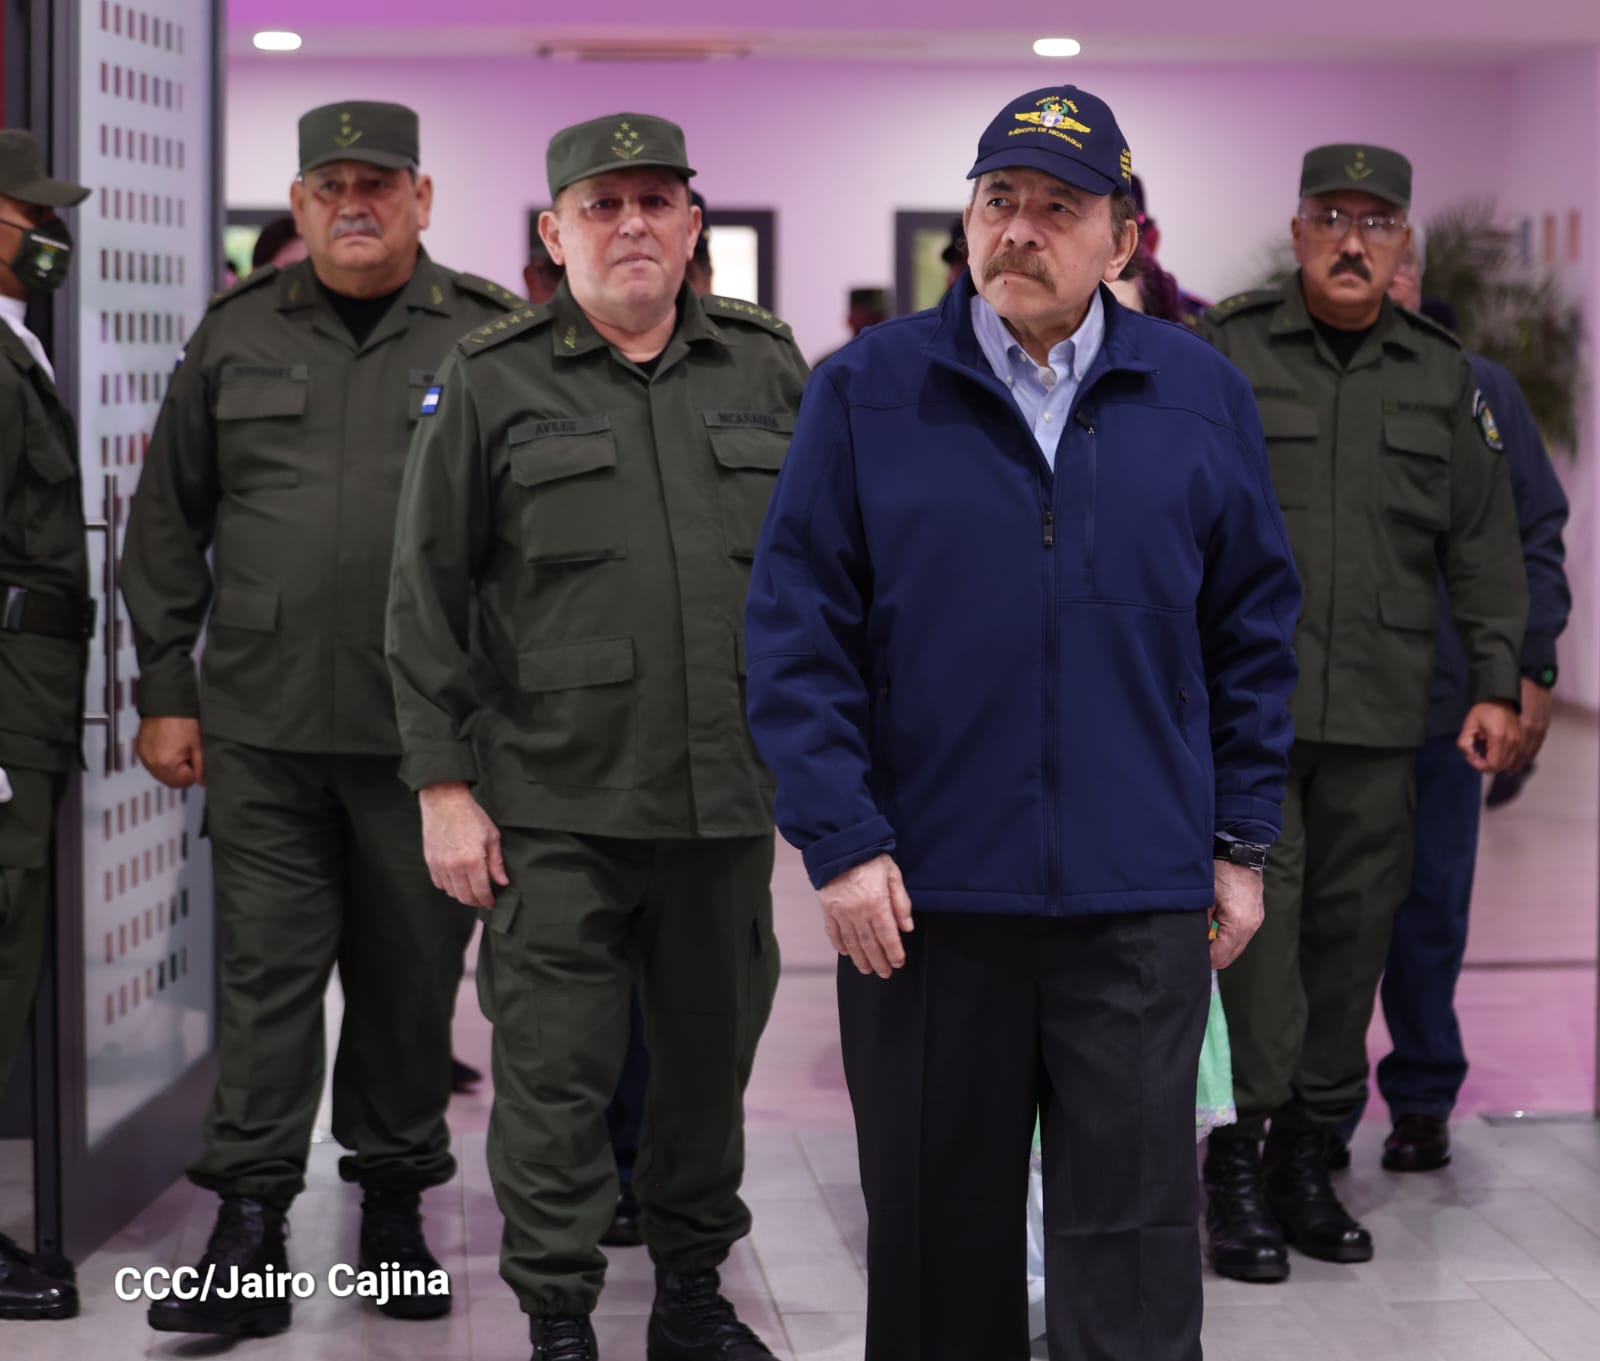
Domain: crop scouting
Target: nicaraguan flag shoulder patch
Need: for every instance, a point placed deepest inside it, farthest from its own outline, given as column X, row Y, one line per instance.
column 430, row 402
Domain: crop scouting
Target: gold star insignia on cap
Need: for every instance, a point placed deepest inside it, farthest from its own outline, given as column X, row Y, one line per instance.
column 628, row 142
column 346, row 136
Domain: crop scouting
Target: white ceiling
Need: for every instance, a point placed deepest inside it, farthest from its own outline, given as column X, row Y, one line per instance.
column 1190, row 31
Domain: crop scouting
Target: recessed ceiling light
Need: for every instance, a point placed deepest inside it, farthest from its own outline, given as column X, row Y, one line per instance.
column 1057, row 47
column 278, row 42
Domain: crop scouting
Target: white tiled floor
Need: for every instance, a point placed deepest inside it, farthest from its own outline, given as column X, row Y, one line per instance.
column 1496, row 1258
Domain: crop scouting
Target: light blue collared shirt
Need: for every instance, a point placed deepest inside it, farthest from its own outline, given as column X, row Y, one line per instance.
column 1043, row 395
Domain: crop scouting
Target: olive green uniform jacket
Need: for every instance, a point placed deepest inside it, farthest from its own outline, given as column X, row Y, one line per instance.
column 42, row 549
column 590, row 528
column 1387, row 480
column 280, row 448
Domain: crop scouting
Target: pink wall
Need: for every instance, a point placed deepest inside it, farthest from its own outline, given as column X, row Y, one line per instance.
column 1553, row 122
column 838, row 147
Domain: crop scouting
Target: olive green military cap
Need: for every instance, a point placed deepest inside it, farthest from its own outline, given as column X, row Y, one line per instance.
column 22, row 174
column 1372, row 170
column 619, row 141
column 359, row 130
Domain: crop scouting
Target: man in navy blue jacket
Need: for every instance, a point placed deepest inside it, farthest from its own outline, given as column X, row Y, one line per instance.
column 1019, row 654
column 1422, row 1076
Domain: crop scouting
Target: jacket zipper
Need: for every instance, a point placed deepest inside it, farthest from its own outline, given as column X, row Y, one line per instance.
column 1052, row 799
column 1092, row 478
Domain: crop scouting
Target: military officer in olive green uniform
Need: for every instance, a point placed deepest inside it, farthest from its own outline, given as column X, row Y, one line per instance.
column 572, row 556
column 1388, row 469
column 280, row 448
column 46, row 617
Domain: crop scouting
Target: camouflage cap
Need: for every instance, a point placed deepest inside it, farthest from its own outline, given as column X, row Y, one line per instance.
column 619, row 141
column 359, row 130
column 22, row 174
column 1371, row 170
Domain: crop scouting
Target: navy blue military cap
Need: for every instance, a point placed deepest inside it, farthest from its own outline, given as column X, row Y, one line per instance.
column 1063, row 131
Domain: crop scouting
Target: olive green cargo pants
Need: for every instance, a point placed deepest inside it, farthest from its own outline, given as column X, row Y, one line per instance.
column 25, row 826
column 583, row 918
column 1300, row 998
column 317, row 861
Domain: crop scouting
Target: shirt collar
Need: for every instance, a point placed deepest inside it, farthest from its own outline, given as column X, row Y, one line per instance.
column 14, row 311
column 1073, row 356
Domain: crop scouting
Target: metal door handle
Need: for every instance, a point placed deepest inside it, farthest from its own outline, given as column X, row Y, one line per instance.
column 108, row 525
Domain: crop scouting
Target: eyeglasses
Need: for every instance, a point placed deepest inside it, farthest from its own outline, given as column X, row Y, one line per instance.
column 1333, row 224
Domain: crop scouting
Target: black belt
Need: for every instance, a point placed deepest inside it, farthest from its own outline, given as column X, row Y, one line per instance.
column 54, row 616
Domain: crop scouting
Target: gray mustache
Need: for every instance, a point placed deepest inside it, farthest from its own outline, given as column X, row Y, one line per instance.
column 363, row 226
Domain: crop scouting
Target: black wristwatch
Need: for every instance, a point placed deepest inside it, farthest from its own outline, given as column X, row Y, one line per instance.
column 1244, row 853
column 1544, row 675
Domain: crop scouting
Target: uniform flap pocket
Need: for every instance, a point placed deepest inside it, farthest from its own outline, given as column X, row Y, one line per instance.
column 259, row 479
column 420, row 378
column 48, row 456
column 1287, row 420
column 568, row 666
column 501, row 917
column 546, row 451
column 243, row 399
column 1417, row 435
column 239, row 608
column 1414, row 610
column 749, row 447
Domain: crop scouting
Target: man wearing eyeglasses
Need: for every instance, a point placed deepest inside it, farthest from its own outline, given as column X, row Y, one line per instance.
column 265, row 515
column 576, row 530
column 1388, row 467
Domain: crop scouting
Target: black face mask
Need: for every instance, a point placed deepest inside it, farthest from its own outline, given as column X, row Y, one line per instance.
column 43, row 258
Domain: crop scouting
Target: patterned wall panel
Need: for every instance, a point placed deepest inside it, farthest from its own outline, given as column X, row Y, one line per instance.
column 144, row 149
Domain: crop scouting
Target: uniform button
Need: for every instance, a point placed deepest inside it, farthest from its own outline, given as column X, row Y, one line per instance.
column 1183, row 696
column 1048, row 416
column 1047, row 377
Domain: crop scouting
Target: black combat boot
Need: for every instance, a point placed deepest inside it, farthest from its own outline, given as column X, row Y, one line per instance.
column 623, row 1231
column 563, row 1337
column 391, row 1237
column 1244, row 1241
column 690, row 1321
column 247, row 1243
column 34, row 1287
column 1301, row 1198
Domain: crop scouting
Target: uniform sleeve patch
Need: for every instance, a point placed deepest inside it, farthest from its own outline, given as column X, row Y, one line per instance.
column 1487, row 426
column 430, row 400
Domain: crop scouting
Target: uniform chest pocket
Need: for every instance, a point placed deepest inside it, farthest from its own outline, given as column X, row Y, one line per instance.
column 260, row 416
column 749, row 447
column 1291, row 431
column 1416, row 470
column 52, row 514
column 565, row 471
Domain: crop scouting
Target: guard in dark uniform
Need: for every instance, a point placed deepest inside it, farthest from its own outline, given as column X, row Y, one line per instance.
column 1389, row 476
column 46, row 617
column 279, row 452
column 572, row 555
